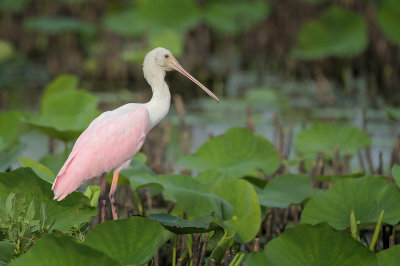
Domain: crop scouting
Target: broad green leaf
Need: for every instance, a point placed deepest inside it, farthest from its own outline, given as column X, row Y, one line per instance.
column 11, row 128
column 167, row 38
column 396, row 174
column 335, row 178
column 129, row 241
column 389, row 20
column 327, row 138
column 286, row 189
column 367, row 196
column 73, row 210
column 6, row 51
column 257, row 259
column 246, row 217
column 234, row 154
column 317, row 245
column 65, row 114
column 53, row 250
column 194, row 198
column 179, row 225
column 59, row 84
column 234, row 17
column 58, row 25
column 9, row 156
column 6, row 252
column 338, row 32
column 39, row 169
column 152, row 17
column 54, row 161
column 389, row 257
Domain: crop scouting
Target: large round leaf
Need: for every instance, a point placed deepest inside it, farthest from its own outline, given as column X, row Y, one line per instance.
column 11, row 128
column 327, row 138
column 59, row 84
column 235, row 154
column 74, row 210
column 338, row 32
column 396, row 174
column 39, row 169
column 285, row 190
column 234, row 17
column 257, row 259
column 6, row 252
column 389, row 257
column 153, row 17
column 246, row 217
column 129, row 241
column 317, row 245
column 389, row 20
column 193, row 197
column 53, row 250
column 65, row 114
column 367, row 196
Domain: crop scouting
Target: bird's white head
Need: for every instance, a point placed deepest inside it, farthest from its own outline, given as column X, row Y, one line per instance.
column 160, row 60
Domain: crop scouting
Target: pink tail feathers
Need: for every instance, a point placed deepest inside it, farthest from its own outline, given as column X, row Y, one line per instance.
column 60, row 189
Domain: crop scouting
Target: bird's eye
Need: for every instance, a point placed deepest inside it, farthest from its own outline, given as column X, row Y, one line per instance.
column 166, row 56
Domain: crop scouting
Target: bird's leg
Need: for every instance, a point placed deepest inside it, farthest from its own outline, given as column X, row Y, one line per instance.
column 112, row 195
column 102, row 197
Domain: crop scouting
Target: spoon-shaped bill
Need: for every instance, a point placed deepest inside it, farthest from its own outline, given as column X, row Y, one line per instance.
column 174, row 64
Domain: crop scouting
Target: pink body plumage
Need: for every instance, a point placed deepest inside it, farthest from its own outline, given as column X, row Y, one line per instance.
column 109, row 143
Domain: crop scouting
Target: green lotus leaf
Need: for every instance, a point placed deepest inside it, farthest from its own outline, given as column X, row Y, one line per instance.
column 327, row 138
column 53, row 250
column 257, row 259
column 338, row 32
column 6, row 252
column 366, row 196
column 39, row 169
column 11, row 127
column 234, row 154
column 153, row 17
column 246, row 218
column 129, row 241
column 389, row 257
column 74, row 210
column 65, row 113
column 396, row 174
column 317, row 245
column 235, row 17
column 389, row 20
column 286, row 189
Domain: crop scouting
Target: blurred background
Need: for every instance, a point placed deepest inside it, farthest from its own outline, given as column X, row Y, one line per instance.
column 277, row 67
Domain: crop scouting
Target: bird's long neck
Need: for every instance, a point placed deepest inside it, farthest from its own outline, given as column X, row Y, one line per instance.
column 158, row 106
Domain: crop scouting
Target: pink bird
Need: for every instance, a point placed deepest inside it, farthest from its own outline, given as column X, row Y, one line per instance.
column 113, row 138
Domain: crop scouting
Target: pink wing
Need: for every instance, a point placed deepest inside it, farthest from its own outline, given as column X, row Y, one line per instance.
column 109, row 142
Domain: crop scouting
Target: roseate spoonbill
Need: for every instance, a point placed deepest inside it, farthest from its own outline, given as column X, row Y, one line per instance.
column 112, row 139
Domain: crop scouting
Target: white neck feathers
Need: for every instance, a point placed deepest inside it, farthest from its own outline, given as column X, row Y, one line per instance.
column 158, row 106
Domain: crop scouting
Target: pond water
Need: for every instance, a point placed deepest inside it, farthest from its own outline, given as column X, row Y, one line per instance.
column 295, row 103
